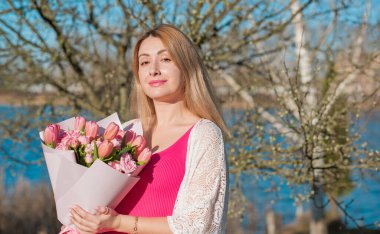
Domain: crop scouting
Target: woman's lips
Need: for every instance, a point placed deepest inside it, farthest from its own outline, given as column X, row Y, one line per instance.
column 156, row 83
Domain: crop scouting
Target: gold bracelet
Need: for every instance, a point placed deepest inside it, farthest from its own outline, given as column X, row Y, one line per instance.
column 135, row 228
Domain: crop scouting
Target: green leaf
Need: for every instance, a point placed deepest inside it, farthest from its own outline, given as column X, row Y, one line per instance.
column 81, row 150
column 96, row 154
column 108, row 159
column 124, row 150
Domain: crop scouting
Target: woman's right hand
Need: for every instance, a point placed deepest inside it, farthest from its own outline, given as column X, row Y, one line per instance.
column 105, row 219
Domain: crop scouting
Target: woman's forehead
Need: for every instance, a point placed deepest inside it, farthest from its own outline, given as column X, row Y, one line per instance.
column 152, row 45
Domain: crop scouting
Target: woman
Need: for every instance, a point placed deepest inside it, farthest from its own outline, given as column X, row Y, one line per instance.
column 183, row 189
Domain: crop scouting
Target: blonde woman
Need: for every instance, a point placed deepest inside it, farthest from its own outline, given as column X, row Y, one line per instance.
column 183, row 189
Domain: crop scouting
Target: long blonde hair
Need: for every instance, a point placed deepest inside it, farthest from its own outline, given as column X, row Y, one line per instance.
column 198, row 92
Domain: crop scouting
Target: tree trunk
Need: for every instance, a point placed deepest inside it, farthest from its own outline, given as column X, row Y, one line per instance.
column 317, row 223
column 273, row 222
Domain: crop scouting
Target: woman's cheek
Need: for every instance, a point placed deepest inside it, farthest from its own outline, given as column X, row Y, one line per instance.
column 141, row 75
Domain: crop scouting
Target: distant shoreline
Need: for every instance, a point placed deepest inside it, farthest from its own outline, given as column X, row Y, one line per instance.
column 16, row 98
column 22, row 98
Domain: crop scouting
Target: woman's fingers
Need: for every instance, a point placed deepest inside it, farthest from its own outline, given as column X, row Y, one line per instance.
column 83, row 214
column 84, row 220
column 81, row 225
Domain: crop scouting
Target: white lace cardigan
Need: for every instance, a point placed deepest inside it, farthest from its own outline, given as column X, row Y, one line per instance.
column 201, row 204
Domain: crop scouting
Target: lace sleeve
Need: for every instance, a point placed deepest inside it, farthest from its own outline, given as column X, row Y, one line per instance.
column 201, row 201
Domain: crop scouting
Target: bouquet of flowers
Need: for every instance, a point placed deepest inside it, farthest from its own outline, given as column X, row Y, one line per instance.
column 92, row 163
column 122, row 150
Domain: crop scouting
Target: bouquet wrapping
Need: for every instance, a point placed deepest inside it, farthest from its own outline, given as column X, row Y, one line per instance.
column 104, row 175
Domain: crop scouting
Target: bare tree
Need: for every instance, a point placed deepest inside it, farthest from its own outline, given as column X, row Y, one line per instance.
column 266, row 54
column 312, row 102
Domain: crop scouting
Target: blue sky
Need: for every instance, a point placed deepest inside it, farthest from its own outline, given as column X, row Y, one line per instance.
column 112, row 18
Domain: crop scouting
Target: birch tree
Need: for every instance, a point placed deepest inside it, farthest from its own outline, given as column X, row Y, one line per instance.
column 312, row 109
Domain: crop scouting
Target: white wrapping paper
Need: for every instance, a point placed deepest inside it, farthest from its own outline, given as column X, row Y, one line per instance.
column 99, row 185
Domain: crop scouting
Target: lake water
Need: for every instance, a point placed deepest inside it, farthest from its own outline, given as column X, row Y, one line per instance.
column 263, row 194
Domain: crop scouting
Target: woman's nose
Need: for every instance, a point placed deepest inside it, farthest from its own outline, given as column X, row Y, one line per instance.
column 154, row 69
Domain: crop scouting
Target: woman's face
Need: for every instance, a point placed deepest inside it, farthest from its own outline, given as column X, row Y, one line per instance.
column 159, row 76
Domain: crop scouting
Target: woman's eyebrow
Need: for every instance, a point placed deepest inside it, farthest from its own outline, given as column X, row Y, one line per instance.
column 159, row 52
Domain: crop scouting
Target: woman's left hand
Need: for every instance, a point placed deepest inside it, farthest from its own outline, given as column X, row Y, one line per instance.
column 105, row 219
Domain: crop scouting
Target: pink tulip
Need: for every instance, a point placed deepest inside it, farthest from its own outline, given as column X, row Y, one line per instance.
column 129, row 136
column 91, row 129
column 111, row 131
column 121, row 133
column 144, row 156
column 140, row 143
column 105, row 149
column 51, row 135
column 80, row 123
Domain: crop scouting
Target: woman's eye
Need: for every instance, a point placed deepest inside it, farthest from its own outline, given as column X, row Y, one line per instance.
column 143, row 63
column 166, row 59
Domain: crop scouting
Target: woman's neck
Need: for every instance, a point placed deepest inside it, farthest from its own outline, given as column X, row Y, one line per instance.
column 169, row 114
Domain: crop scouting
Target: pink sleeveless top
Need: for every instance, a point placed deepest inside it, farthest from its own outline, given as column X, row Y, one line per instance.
column 156, row 192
